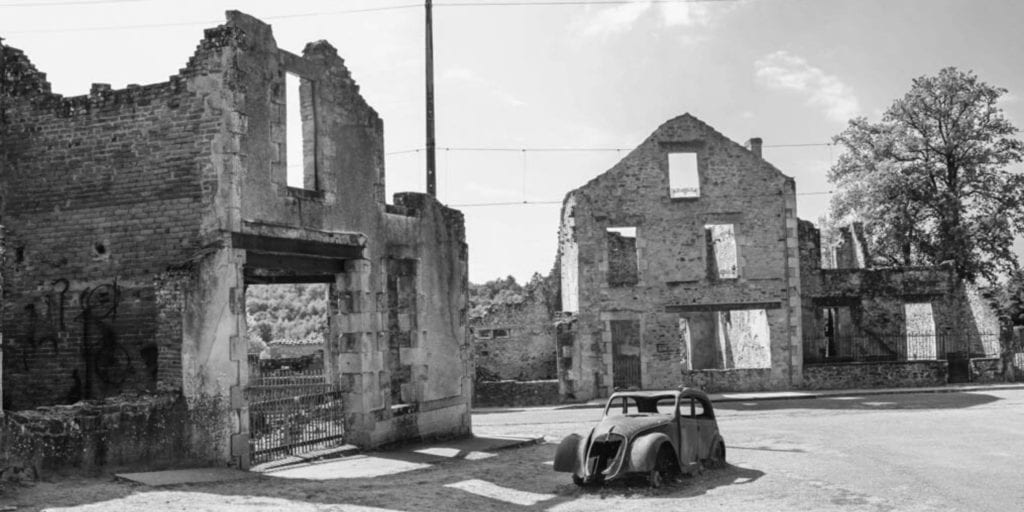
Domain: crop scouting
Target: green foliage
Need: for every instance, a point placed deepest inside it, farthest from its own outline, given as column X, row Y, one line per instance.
column 932, row 182
column 499, row 294
column 1008, row 298
column 286, row 311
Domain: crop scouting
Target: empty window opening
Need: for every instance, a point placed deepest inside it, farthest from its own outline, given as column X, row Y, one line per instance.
column 920, row 331
column 501, row 333
column 683, row 178
column 725, row 340
column 484, row 334
column 300, row 137
column 286, row 327
column 623, row 262
column 721, row 251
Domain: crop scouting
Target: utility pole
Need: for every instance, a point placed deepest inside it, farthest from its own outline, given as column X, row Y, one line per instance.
column 431, row 143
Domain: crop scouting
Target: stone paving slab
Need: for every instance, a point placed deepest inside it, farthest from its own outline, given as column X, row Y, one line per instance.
column 187, row 476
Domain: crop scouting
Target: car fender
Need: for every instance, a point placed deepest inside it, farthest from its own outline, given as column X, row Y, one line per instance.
column 644, row 451
column 567, row 455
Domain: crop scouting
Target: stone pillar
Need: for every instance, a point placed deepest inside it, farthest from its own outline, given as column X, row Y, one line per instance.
column 356, row 355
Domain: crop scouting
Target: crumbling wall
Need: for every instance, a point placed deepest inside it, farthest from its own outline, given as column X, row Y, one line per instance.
column 526, row 351
column 124, row 432
column 100, row 194
column 739, row 191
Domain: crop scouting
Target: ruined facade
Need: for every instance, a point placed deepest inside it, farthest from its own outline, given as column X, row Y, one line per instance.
column 515, row 342
column 135, row 219
column 680, row 265
column 856, row 312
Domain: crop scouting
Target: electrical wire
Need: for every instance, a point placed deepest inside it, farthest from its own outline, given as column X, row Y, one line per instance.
column 546, row 3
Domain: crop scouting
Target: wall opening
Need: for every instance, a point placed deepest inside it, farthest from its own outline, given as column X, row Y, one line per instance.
column 725, row 340
column 920, row 331
column 400, row 290
column 300, row 133
column 286, row 325
column 625, row 338
column 623, row 261
column 721, row 251
column 683, row 178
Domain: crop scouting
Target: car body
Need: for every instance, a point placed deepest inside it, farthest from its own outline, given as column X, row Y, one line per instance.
column 652, row 433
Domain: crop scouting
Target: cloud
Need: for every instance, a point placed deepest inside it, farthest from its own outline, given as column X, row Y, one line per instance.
column 469, row 79
column 612, row 20
column 686, row 14
column 622, row 18
column 785, row 71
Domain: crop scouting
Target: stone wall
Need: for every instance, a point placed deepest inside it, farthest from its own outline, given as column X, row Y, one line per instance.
column 516, row 341
column 511, row 393
column 716, row 381
column 115, row 433
column 136, row 218
column 875, row 375
column 678, row 275
column 987, row 370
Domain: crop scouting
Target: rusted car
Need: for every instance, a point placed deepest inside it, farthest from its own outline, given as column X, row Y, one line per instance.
column 657, row 434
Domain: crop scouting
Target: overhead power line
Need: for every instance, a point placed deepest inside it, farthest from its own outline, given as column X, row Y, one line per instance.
column 574, row 149
column 549, row 202
column 544, row 3
column 66, row 3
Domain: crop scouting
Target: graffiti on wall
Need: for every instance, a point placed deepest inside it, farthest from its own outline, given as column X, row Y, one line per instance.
column 101, row 360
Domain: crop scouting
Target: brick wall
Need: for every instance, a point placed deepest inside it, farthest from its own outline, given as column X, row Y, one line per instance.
column 100, row 193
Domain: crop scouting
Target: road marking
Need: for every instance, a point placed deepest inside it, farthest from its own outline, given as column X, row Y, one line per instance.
column 497, row 492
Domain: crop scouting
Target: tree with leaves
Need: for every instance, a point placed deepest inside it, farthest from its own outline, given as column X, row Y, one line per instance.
column 934, row 181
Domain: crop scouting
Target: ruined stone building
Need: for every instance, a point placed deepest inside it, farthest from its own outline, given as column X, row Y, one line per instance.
column 685, row 264
column 134, row 220
column 515, row 341
column 681, row 264
column 928, row 327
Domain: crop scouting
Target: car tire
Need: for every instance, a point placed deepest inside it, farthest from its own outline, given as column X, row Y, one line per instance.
column 717, row 458
column 663, row 468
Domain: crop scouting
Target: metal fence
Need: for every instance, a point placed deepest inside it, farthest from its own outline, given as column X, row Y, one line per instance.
column 899, row 347
column 293, row 412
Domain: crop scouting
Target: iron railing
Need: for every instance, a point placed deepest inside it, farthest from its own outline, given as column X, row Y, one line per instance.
column 898, row 347
column 290, row 414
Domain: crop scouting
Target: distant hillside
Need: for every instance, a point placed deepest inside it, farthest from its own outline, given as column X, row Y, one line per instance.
column 286, row 312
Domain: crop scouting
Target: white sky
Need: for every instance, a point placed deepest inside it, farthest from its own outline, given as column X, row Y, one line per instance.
column 565, row 76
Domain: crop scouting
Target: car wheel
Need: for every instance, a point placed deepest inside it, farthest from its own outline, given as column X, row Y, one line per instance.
column 717, row 458
column 663, row 467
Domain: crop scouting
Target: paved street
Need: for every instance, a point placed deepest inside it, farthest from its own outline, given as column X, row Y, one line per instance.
column 936, row 451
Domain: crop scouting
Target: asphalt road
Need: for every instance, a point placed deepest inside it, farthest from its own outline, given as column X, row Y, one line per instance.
column 913, row 452
column 940, row 451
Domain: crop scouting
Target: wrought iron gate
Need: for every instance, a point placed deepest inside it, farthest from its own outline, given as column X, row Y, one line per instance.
column 293, row 413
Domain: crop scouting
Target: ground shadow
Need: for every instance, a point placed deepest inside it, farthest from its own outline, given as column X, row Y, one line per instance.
column 904, row 401
column 683, row 486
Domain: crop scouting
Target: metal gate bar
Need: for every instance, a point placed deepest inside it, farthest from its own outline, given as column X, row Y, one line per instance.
column 293, row 414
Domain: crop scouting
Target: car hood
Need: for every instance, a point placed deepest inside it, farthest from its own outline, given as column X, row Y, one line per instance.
column 629, row 426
